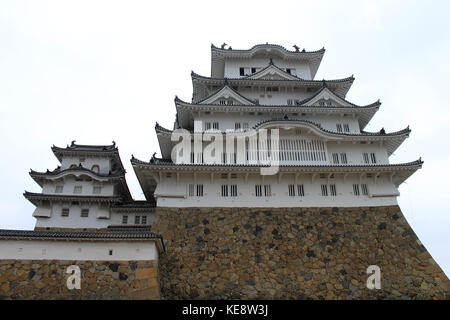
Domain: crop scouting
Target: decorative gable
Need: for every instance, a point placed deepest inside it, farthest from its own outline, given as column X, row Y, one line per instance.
column 327, row 98
column 272, row 73
column 227, row 96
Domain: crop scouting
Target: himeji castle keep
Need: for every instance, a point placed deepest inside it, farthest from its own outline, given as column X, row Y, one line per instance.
column 267, row 185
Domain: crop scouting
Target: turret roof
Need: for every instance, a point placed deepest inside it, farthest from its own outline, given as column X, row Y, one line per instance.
column 313, row 57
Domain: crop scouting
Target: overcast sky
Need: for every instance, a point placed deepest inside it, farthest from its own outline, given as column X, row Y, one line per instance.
column 97, row 71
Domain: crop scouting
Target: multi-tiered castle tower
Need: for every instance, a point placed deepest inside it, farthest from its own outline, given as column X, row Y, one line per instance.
column 325, row 157
column 87, row 191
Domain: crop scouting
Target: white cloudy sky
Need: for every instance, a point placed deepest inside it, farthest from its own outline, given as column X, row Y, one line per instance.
column 97, row 71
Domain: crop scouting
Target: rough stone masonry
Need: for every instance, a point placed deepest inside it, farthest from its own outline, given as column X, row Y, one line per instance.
column 293, row 253
column 47, row 279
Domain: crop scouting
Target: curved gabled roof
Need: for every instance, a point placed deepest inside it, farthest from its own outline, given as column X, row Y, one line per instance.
column 339, row 86
column 299, row 80
column 39, row 177
column 32, row 196
column 402, row 170
column 87, row 148
column 265, row 46
column 90, row 150
column 231, row 90
column 393, row 139
column 261, row 124
column 365, row 113
column 272, row 66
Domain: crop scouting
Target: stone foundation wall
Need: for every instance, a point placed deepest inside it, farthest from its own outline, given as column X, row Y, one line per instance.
column 294, row 253
column 47, row 279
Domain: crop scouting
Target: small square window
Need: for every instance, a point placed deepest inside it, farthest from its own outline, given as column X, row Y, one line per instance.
column 77, row 189
column 84, row 213
column 97, row 190
column 65, row 212
column 124, row 219
column 137, row 219
column 58, row 189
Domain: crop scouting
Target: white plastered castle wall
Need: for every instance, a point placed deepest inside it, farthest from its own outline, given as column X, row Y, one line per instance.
column 170, row 193
column 78, row 250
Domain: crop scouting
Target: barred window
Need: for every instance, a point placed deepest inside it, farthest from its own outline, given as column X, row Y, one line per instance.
column 237, row 126
column 343, row 158
column 207, row 126
column 366, row 157
column 199, row 190
column 84, row 213
column 267, row 190
column 144, row 220
column 65, row 212
column 137, row 219
column 223, row 102
column 124, row 219
column 335, row 158
column 324, row 189
column 97, row 190
column 224, row 190
column 356, row 189
column 300, row 190
column 291, row 189
column 373, row 158
column 233, row 190
column 333, row 190
column 77, row 189
column 339, row 127
column 258, row 190
column 364, row 189
column 215, row 125
column 289, row 102
column 346, row 128
column 58, row 189
column 191, row 190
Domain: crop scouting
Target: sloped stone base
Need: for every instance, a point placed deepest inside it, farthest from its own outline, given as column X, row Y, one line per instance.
column 294, row 253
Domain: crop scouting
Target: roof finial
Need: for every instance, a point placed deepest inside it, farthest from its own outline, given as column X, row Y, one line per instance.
column 324, row 83
column 73, row 143
column 223, row 45
column 113, row 143
column 296, row 47
column 271, row 61
column 225, row 81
